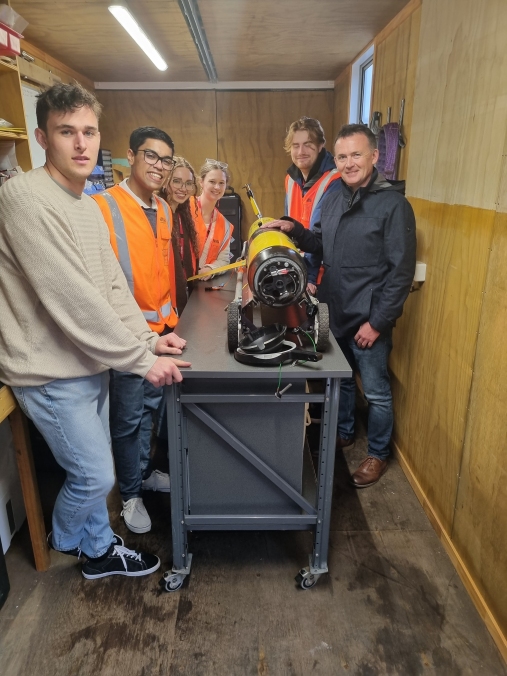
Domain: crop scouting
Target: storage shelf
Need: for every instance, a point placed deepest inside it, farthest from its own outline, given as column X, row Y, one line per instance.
column 7, row 67
column 12, row 137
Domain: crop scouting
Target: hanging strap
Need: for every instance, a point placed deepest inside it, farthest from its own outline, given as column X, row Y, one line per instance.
column 388, row 147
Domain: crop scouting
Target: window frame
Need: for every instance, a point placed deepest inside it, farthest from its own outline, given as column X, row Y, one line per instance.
column 356, row 85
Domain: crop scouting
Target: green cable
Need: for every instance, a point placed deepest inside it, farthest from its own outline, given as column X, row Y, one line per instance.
column 309, row 336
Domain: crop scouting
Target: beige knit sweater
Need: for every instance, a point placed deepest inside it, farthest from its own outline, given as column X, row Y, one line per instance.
column 65, row 308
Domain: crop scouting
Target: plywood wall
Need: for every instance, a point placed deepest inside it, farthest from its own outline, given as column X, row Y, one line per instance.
column 189, row 117
column 244, row 129
column 342, row 99
column 395, row 65
column 449, row 361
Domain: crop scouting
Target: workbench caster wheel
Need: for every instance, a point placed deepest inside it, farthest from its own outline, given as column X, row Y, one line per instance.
column 306, row 579
column 233, row 325
column 172, row 581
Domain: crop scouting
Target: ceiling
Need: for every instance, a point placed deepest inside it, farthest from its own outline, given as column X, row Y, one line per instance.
column 250, row 40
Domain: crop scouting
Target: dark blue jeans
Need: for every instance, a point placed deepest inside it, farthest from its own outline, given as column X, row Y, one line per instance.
column 133, row 405
column 371, row 364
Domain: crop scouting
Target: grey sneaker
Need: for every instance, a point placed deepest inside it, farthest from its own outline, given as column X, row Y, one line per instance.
column 135, row 516
column 157, row 481
column 121, row 561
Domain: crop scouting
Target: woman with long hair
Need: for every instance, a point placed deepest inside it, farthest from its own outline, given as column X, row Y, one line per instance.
column 180, row 185
column 214, row 231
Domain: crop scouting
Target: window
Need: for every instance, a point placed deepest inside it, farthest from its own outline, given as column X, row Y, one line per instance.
column 361, row 87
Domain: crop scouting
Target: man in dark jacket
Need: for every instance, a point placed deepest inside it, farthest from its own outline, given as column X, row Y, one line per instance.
column 366, row 237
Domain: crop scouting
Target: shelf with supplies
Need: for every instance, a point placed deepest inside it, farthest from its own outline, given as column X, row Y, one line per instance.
column 12, row 136
column 7, row 67
column 12, row 111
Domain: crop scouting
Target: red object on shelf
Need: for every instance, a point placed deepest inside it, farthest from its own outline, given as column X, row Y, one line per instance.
column 9, row 41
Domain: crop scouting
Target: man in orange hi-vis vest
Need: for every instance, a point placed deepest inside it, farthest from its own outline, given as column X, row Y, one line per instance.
column 312, row 173
column 140, row 226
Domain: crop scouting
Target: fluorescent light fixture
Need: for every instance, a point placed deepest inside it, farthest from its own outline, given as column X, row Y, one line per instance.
column 193, row 18
column 125, row 18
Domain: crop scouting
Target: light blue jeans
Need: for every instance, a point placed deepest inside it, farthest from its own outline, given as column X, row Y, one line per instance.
column 73, row 417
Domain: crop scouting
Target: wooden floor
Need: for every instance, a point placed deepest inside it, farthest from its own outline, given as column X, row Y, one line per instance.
column 392, row 603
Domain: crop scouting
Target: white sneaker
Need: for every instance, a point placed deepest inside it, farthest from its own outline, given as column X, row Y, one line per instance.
column 135, row 516
column 157, row 481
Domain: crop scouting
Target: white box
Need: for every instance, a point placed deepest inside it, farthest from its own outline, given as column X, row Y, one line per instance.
column 420, row 272
column 12, row 508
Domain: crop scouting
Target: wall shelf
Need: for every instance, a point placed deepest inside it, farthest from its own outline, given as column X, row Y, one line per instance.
column 7, row 67
column 9, row 135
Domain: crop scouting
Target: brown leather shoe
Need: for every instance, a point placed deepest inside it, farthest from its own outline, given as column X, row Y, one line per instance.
column 344, row 444
column 368, row 472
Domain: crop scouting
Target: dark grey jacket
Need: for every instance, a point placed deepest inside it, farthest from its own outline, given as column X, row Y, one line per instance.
column 367, row 243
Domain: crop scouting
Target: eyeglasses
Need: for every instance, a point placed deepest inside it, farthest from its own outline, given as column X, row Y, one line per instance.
column 222, row 165
column 151, row 157
column 178, row 183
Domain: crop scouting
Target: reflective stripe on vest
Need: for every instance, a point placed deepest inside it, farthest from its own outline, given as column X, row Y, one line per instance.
column 124, row 254
column 121, row 239
column 322, row 187
column 152, row 315
column 165, row 208
column 290, row 188
column 227, row 234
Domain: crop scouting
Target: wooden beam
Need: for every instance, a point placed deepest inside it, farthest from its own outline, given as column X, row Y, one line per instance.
column 7, row 402
column 460, row 566
column 39, row 54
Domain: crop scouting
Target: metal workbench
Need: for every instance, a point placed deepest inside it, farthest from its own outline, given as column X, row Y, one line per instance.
column 236, row 455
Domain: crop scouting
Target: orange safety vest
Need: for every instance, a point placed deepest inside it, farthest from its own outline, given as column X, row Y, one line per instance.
column 301, row 207
column 221, row 236
column 146, row 260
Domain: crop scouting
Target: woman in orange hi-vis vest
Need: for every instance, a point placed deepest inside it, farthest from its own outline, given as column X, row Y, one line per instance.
column 214, row 231
column 180, row 186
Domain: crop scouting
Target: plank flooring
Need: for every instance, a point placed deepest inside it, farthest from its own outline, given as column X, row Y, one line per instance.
column 392, row 603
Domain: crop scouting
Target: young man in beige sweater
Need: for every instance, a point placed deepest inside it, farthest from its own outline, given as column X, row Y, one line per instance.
column 67, row 317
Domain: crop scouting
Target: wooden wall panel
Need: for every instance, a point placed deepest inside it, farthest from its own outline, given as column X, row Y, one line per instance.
column 394, row 77
column 251, row 129
column 480, row 525
column 189, row 117
column 434, row 347
column 341, row 100
column 460, row 106
column 449, row 362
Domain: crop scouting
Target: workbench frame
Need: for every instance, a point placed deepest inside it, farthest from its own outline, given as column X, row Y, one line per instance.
column 315, row 517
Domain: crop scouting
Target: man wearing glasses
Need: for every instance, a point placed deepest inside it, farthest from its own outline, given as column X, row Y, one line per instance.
column 140, row 226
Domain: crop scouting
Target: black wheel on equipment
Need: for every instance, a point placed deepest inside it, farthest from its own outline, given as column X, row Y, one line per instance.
column 233, row 325
column 322, row 327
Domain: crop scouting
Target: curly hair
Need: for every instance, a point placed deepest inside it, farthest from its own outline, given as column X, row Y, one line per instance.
column 183, row 210
column 64, row 98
